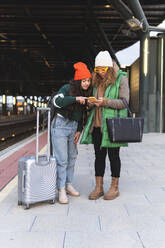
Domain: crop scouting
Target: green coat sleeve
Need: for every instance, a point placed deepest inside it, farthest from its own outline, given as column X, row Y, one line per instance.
column 62, row 99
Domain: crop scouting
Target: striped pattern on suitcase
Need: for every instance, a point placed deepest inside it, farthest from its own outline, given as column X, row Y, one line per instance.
column 38, row 181
column 37, row 174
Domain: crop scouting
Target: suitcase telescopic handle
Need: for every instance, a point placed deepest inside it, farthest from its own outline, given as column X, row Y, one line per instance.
column 37, row 134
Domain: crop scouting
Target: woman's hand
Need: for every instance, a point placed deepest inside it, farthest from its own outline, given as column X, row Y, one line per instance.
column 91, row 101
column 81, row 99
column 99, row 102
column 90, row 104
column 76, row 137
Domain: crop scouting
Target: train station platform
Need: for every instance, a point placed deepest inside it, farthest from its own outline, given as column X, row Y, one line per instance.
column 136, row 219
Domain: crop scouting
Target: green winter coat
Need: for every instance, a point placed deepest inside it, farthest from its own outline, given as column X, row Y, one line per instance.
column 112, row 92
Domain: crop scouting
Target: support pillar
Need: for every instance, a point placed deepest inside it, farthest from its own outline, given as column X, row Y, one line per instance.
column 31, row 105
column 152, row 83
column 161, row 80
column 25, row 106
column 15, row 105
column 4, row 105
column 144, row 79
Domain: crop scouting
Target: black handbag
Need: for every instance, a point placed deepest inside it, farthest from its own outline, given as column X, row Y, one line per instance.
column 128, row 129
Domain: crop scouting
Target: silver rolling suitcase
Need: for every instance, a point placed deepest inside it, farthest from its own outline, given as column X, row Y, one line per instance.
column 37, row 174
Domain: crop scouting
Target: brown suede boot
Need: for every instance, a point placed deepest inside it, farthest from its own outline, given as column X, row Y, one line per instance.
column 113, row 192
column 98, row 191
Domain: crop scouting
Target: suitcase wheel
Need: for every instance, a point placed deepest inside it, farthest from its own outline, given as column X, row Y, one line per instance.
column 19, row 203
column 52, row 201
column 26, row 206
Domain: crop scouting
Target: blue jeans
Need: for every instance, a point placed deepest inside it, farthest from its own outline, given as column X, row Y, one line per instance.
column 64, row 149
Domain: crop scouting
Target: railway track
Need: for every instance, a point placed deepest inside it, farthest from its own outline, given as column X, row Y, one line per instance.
column 15, row 129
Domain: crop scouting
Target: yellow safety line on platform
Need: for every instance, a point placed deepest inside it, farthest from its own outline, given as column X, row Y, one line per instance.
column 8, row 188
column 13, row 183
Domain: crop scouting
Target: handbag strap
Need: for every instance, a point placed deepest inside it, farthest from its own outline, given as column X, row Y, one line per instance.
column 127, row 106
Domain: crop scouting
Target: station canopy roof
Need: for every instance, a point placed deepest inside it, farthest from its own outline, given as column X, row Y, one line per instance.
column 40, row 40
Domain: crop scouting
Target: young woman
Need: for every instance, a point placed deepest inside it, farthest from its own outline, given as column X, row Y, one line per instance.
column 110, row 84
column 66, row 127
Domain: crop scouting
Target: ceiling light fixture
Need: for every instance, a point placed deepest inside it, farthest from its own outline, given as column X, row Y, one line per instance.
column 37, row 27
column 44, row 36
column 107, row 6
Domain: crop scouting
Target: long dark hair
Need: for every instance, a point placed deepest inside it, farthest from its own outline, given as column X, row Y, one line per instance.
column 76, row 90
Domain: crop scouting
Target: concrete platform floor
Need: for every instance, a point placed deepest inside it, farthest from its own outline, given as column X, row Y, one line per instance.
column 136, row 219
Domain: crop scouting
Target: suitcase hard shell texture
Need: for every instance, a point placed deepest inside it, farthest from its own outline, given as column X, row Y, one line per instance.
column 37, row 174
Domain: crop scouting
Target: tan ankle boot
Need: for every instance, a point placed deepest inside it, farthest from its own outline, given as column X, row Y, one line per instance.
column 71, row 190
column 113, row 192
column 98, row 191
column 63, row 199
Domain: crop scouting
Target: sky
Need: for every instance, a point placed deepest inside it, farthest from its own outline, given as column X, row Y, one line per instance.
column 128, row 55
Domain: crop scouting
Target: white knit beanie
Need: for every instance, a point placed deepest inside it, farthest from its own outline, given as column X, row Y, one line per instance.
column 103, row 58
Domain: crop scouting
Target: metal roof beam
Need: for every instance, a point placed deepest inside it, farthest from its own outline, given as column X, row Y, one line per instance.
column 124, row 11
column 133, row 15
column 139, row 13
column 107, row 42
column 102, row 32
column 157, row 29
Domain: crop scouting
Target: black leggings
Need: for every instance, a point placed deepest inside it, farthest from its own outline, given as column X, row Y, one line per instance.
column 100, row 156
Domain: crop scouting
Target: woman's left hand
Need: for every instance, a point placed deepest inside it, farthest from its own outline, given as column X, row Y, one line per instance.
column 99, row 102
column 76, row 137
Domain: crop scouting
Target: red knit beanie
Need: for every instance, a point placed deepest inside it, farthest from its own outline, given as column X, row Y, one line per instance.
column 81, row 71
